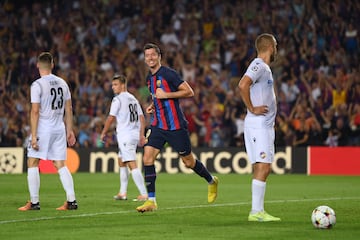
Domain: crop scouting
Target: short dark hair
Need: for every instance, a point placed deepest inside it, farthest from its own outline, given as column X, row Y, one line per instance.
column 152, row 45
column 120, row 77
column 45, row 58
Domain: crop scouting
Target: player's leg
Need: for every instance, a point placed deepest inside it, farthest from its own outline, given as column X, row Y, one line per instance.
column 123, row 170
column 150, row 154
column 128, row 148
column 260, row 148
column 156, row 141
column 254, row 143
column 124, row 180
column 58, row 153
column 33, row 179
column 180, row 141
column 258, row 186
column 138, row 180
column 68, row 185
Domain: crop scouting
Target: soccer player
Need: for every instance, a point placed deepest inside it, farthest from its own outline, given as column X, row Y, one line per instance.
column 130, row 128
column 168, row 125
column 257, row 91
column 50, row 100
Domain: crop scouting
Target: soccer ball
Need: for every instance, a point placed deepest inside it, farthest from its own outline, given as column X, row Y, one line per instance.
column 323, row 217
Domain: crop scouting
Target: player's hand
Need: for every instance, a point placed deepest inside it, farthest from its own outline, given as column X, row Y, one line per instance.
column 150, row 109
column 142, row 141
column 260, row 110
column 102, row 137
column 160, row 94
column 34, row 144
column 71, row 138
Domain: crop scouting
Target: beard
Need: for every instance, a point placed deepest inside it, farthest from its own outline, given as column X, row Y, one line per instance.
column 272, row 57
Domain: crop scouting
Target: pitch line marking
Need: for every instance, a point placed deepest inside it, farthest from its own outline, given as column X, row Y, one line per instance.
column 175, row 208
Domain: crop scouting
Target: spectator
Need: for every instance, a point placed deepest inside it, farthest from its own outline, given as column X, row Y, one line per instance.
column 290, row 90
column 351, row 40
column 354, row 139
column 332, row 139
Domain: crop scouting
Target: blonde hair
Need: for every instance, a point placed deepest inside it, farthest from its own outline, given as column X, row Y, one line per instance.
column 264, row 41
column 120, row 77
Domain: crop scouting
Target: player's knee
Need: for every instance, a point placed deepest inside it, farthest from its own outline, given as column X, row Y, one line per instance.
column 189, row 162
column 148, row 160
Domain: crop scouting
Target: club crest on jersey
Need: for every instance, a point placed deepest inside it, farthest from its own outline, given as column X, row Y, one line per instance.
column 158, row 82
column 263, row 155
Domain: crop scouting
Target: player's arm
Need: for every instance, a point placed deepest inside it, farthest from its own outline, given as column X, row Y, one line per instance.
column 184, row 90
column 34, row 121
column 70, row 136
column 109, row 121
column 244, row 86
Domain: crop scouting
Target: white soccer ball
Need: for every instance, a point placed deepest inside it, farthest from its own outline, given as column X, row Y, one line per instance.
column 323, row 217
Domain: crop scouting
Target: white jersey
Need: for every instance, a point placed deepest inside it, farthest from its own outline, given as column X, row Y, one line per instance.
column 51, row 92
column 261, row 93
column 127, row 110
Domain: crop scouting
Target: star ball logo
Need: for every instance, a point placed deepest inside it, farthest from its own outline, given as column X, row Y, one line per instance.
column 11, row 160
column 7, row 163
column 255, row 68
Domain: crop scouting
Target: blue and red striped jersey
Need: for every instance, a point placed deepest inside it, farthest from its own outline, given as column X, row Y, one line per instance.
column 168, row 114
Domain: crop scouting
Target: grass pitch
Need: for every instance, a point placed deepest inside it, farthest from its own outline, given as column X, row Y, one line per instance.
column 183, row 209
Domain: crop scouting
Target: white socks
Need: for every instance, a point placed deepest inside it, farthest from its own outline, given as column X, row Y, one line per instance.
column 139, row 180
column 67, row 182
column 136, row 176
column 258, row 193
column 124, row 179
column 34, row 183
column 33, row 178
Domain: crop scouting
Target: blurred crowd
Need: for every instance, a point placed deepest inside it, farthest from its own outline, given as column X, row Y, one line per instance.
column 209, row 42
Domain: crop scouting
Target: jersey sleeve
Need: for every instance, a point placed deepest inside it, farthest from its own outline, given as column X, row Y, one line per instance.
column 140, row 111
column 177, row 80
column 115, row 106
column 254, row 71
column 68, row 94
column 35, row 92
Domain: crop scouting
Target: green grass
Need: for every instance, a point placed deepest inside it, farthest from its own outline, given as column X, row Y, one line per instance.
column 183, row 210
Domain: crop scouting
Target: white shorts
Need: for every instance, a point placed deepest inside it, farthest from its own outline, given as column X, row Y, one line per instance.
column 52, row 146
column 127, row 148
column 259, row 143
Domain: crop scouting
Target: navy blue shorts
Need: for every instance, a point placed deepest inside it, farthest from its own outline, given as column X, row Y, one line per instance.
column 179, row 140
